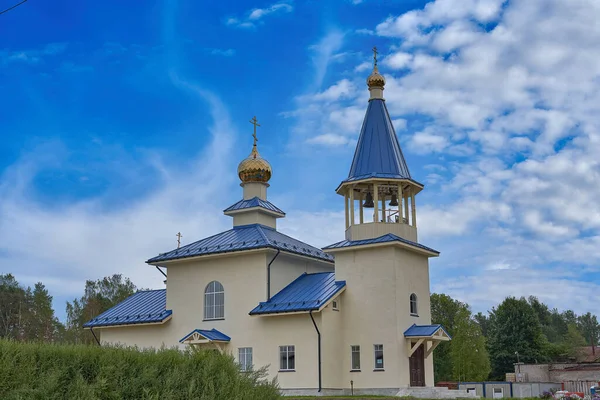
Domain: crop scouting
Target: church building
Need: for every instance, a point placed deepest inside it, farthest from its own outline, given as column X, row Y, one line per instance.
column 354, row 315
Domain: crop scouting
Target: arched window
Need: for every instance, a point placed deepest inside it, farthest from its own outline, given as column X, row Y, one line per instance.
column 413, row 304
column 214, row 301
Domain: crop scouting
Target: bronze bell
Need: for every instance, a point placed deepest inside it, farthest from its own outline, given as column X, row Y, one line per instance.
column 394, row 201
column 369, row 201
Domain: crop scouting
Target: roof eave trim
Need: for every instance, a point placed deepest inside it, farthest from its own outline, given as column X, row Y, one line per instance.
column 130, row 324
column 162, row 263
column 348, row 181
column 432, row 253
column 255, row 208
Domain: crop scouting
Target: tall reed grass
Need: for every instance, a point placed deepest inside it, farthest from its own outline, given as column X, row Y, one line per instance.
column 48, row 371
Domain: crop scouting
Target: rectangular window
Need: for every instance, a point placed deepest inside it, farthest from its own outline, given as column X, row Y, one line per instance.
column 287, row 359
column 378, row 356
column 334, row 305
column 355, row 358
column 245, row 358
column 498, row 393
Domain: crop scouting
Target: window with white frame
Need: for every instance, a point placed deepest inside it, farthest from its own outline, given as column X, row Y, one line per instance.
column 355, row 358
column 335, row 305
column 287, row 358
column 413, row 305
column 498, row 393
column 378, row 348
column 214, row 301
column 245, row 358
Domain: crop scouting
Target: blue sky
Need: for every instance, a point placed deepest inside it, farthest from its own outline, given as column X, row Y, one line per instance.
column 122, row 124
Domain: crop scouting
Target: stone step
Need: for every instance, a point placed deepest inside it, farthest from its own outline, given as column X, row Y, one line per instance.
column 435, row 393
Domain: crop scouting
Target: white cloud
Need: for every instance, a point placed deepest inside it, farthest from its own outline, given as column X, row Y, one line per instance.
column 255, row 15
column 222, row 52
column 398, row 60
column 323, row 52
column 329, row 139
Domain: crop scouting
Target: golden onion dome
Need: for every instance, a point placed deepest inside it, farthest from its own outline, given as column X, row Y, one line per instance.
column 254, row 168
column 375, row 80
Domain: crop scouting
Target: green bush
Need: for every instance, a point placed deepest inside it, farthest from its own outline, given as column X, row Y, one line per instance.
column 47, row 371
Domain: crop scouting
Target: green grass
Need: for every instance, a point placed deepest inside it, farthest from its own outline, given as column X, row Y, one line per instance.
column 45, row 371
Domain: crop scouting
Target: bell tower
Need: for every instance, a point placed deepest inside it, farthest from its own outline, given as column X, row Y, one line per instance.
column 379, row 193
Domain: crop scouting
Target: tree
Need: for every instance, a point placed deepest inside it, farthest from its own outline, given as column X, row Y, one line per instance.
column 588, row 325
column 470, row 360
column 515, row 328
column 13, row 308
column 98, row 297
column 465, row 356
column 41, row 323
column 484, row 323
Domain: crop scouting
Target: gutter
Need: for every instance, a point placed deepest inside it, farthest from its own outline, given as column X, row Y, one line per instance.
column 319, row 346
column 95, row 337
column 269, row 275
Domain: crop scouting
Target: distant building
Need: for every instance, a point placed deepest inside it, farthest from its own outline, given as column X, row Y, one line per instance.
column 355, row 313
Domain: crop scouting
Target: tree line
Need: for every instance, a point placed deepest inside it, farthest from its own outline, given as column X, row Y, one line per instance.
column 26, row 313
column 483, row 346
column 487, row 346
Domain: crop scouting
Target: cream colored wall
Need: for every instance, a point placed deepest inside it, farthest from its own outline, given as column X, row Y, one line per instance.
column 254, row 217
column 254, row 189
column 370, row 230
column 376, row 311
column 244, row 280
column 142, row 336
column 332, row 347
column 286, row 269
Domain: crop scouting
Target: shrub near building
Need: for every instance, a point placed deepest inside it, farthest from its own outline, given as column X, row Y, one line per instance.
column 44, row 371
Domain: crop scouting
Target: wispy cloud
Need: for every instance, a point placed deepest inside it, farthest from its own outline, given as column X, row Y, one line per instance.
column 323, row 52
column 254, row 16
column 222, row 52
column 32, row 56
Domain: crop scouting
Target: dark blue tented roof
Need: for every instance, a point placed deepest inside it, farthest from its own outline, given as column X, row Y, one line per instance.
column 244, row 237
column 389, row 237
column 308, row 292
column 423, row 330
column 254, row 202
column 378, row 153
column 143, row 307
column 213, row 335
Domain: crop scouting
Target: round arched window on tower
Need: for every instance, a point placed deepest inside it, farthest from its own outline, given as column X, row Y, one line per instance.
column 413, row 305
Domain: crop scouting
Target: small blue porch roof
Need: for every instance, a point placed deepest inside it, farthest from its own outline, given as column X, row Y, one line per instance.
column 143, row 307
column 309, row 292
column 244, row 237
column 252, row 203
column 423, row 330
column 378, row 153
column 212, row 335
column 389, row 237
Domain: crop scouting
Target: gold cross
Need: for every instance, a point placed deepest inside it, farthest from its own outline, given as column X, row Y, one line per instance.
column 254, row 122
column 375, row 55
column 179, row 236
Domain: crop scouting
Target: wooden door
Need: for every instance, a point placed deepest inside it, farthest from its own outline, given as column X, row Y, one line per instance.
column 416, row 364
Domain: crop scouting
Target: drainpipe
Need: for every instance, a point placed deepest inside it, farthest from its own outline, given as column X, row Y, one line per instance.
column 95, row 337
column 269, row 276
column 319, row 346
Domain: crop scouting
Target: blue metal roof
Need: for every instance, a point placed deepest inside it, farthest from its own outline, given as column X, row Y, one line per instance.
column 423, row 330
column 245, row 237
column 308, row 292
column 212, row 335
column 254, row 202
column 378, row 153
column 140, row 308
column 389, row 237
